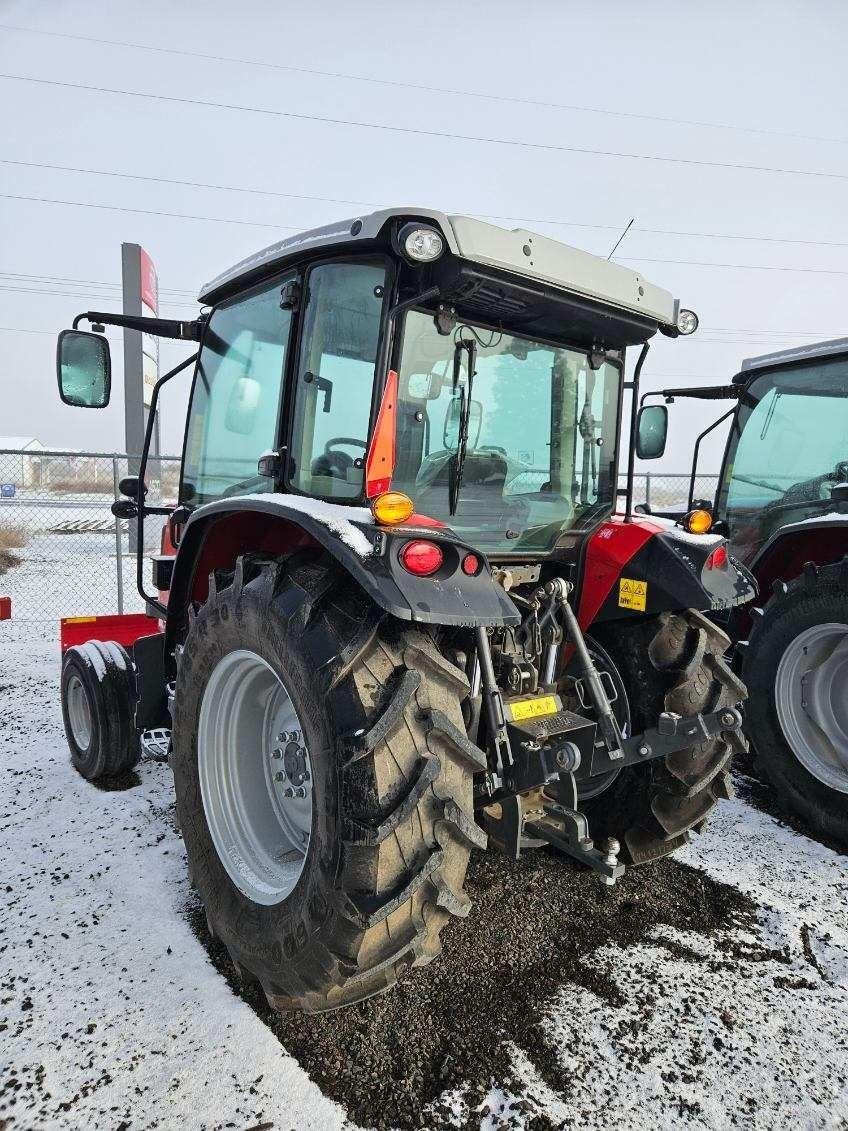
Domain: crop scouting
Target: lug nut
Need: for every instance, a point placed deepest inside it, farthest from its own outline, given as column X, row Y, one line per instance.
column 276, row 752
column 300, row 791
column 279, row 776
column 289, row 793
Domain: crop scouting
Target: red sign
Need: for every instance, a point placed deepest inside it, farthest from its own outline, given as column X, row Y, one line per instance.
column 149, row 283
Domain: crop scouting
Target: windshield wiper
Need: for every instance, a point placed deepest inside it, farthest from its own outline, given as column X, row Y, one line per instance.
column 457, row 461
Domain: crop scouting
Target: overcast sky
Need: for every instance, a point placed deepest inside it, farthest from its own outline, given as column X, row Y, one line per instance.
column 774, row 72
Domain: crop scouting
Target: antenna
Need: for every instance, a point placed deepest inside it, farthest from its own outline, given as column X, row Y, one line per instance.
column 621, row 237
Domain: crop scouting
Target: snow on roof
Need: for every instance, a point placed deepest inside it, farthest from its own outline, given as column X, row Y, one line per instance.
column 21, row 443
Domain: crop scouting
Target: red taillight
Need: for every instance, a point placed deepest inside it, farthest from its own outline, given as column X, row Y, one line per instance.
column 471, row 565
column 717, row 559
column 421, row 558
column 380, row 461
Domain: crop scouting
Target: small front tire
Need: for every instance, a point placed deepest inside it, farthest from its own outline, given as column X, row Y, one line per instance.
column 98, row 704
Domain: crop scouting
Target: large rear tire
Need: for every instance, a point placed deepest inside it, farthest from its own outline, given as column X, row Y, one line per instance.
column 672, row 662
column 389, row 770
column 796, row 665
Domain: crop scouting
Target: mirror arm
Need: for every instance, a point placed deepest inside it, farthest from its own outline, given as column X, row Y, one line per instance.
column 696, row 450
column 634, row 413
column 159, row 327
column 142, row 475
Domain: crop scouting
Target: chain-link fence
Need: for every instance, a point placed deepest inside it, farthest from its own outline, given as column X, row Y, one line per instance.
column 62, row 553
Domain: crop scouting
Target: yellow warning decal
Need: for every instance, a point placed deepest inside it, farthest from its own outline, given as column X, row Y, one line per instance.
column 79, row 620
column 532, row 708
column 632, row 594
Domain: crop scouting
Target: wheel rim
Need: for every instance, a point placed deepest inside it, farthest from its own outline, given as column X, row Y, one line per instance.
column 812, row 703
column 255, row 777
column 79, row 712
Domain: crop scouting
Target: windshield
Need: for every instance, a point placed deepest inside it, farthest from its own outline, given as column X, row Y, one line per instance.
column 788, row 449
column 541, row 426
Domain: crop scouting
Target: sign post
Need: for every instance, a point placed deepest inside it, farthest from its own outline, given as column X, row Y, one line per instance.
column 141, row 360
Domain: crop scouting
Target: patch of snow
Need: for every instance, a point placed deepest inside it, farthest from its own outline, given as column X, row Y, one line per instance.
column 113, row 1014
column 819, row 517
column 93, row 655
column 336, row 517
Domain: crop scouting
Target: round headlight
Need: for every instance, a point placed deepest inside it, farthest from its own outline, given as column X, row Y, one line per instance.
column 687, row 322
column 422, row 244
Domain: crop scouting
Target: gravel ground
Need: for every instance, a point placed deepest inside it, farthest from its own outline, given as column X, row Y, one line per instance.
column 709, row 991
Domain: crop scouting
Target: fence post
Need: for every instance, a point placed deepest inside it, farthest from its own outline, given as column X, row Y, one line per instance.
column 648, row 490
column 119, row 556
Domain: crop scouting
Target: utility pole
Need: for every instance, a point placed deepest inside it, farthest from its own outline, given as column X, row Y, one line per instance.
column 141, row 361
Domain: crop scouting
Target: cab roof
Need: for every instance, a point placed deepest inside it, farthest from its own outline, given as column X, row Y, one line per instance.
column 751, row 365
column 518, row 252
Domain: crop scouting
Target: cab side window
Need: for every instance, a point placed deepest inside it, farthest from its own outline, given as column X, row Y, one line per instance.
column 235, row 406
column 335, row 379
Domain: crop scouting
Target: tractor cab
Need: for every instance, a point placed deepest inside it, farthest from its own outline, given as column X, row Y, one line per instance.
column 786, row 458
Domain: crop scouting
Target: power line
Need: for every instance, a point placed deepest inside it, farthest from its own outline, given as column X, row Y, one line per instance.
column 90, row 282
column 736, row 266
column 372, row 204
column 145, row 211
column 290, row 228
column 423, row 87
column 417, row 131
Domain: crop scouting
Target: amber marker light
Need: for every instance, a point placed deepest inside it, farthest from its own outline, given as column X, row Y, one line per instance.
column 698, row 521
column 392, row 508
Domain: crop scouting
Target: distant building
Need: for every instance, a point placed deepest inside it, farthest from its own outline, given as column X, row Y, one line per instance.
column 24, row 466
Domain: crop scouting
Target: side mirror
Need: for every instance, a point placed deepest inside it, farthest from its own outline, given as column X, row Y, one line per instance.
column 450, row 435
column 83, row 369
column 651, row 431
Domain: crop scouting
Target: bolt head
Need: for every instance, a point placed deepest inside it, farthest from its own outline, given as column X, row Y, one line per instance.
column 611, row 846
column 289, row 793
column 276, row 752
column 300, row 792
column 645, row 751
column 729, row 718
column 279, row 776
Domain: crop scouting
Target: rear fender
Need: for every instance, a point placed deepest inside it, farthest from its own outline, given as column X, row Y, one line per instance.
column 648, row 566
column 279, row 525
column 820, row 541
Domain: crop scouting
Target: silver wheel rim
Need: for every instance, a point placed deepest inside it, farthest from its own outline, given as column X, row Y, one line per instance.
column 811, row 697
column 255, row 777
column 79, row 712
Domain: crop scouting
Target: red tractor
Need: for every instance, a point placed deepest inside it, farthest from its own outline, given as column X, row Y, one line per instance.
column 782, row 501
column 404, row 616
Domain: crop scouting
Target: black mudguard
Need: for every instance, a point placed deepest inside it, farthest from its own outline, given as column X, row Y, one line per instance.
column 369, row 553
column 671, row 572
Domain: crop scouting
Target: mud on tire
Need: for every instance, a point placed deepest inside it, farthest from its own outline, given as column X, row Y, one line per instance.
column 392, row 784
column 673, row 662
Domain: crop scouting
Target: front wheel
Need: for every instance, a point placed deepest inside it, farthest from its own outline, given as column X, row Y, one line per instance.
column 323, row 781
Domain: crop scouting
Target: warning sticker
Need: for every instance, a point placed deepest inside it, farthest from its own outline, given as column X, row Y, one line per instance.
column 533, row 708
column 632, row 594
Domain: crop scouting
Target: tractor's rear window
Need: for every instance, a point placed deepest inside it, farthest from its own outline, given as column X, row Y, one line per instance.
column 540, row 452
column 235, row 405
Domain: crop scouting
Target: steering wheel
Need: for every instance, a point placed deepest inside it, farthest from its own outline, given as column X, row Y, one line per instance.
column 335, row 463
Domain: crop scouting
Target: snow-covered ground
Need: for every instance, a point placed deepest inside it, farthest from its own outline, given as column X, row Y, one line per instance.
column 113, row 1016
